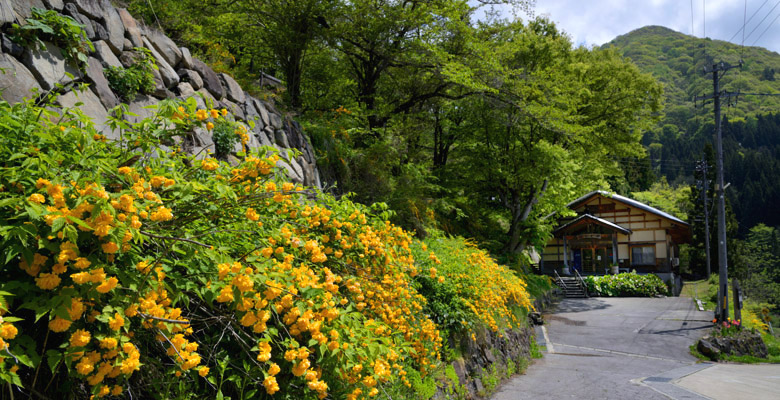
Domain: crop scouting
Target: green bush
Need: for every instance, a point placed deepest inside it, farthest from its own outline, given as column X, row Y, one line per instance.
column 538, row 285
column 138, row 78
column 224, row 137
column 51, row 26
column 626, row 285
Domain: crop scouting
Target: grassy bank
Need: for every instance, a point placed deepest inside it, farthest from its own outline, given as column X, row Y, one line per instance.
column 752, row 317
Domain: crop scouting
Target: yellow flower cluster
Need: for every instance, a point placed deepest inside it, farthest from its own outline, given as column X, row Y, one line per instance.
column 312, row 256
column 184, row 352
column 106, row 364
column 202, row 115
column 7, row 332
column 490, row 290
column 108, row 220
column 243, row 136
column 209, row 164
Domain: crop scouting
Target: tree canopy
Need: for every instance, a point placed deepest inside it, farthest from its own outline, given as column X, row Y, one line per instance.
column 480, row 126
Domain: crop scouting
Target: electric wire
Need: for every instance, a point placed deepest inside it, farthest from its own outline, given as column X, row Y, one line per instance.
column 762, row 20
column 742, row 53
column 704, row 27
column 703, row 19
column 665, row 164
column 748, row 20
column 765, row 30
column 662, row 166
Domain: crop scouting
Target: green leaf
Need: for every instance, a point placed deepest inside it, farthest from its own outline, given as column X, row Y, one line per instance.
column 10, row 202
column 53, row 358
column 71, row 233
column 40, row 312
column 79, row 222
column 57, row 224
column 11, row 252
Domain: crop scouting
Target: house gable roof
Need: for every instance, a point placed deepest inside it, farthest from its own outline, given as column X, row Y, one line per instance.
column 587, row 218
column 629, row 202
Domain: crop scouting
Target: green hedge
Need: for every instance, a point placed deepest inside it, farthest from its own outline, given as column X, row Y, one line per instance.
column 626, row 285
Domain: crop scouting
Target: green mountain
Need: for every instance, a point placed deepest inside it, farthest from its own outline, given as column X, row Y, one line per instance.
column 679, row 60
column 751, row 127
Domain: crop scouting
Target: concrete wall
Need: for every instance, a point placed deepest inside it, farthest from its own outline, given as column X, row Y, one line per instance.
column 115, row 32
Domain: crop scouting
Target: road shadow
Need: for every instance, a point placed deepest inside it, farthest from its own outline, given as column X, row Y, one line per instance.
column 686, row 330
column 564, row 306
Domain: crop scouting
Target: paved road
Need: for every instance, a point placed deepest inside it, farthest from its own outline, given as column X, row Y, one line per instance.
column 614, row 348
column 735, row 381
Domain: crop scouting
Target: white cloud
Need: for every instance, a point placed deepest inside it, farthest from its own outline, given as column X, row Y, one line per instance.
column 596, row 22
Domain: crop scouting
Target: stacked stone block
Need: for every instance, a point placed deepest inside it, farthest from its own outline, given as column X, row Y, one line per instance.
column 114, row 33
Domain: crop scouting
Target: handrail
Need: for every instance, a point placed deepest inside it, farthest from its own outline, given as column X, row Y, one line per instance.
column 582, row 282
column 560, row 280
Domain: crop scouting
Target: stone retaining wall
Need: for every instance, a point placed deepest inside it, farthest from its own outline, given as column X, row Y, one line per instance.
column 488, row 349
column 114, row 33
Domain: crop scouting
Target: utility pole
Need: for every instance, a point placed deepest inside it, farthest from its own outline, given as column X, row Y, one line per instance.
column 703, row 167
column 718, row 70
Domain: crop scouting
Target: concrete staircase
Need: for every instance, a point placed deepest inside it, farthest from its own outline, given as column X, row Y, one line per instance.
column 571, row 287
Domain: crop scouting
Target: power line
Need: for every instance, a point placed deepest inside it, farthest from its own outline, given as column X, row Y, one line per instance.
column 687, row 169
column 757, row 94
column 634, row 159
column 662, row 165
column 703, row 19
column 763, row 19
column 767, row 28
column 749, row 19
column 742, row 53
column 704, row 27
column 657, row 160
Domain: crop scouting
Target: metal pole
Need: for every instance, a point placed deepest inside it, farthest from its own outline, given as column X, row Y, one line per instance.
column 723, row 298
column 705, row 195
column 737, row 301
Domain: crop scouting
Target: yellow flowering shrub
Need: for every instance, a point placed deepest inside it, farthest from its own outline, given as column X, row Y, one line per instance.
column 465, row 286
column 169, row 276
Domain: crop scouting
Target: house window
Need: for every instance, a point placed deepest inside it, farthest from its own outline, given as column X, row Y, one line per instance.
column 644, row 255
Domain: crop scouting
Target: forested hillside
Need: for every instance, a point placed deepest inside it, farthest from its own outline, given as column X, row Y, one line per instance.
column 750, row 129
column 477, row 127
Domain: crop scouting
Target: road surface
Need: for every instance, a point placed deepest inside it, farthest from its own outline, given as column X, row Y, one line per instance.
column 614, row 348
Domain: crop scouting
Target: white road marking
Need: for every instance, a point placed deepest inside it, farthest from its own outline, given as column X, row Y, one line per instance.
column 547, row 342
column 621, row 353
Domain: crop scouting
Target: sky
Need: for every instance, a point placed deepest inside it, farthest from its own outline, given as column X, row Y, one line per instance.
column 595, row 22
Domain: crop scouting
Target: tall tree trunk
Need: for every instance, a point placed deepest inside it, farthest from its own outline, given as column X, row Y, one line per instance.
column 521, row 209
column 293, row 71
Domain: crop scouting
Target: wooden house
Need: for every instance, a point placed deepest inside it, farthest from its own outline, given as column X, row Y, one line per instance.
column 610, row 230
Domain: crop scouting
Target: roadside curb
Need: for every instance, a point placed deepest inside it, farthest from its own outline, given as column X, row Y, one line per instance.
column 664, row 383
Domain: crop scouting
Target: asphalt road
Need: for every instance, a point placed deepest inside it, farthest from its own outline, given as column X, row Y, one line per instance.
column 614, row 348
